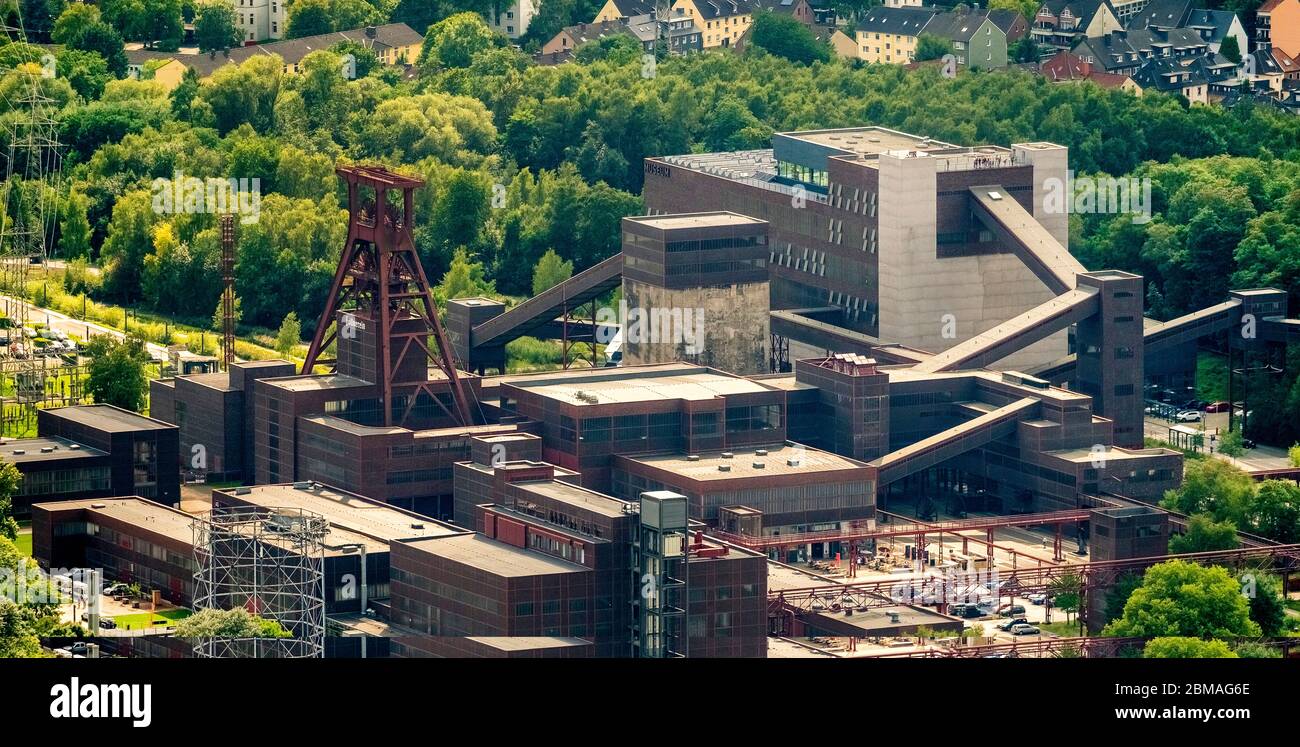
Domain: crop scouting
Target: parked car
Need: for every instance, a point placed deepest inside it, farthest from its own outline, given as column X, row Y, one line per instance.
column 1012, row 610
column 107, row 623
column 1217, row 407
column 1247, row 443
column 1188, row 416
column 114, row 589
column 1037, row 598
column 1013, row 622
column 1024, row 629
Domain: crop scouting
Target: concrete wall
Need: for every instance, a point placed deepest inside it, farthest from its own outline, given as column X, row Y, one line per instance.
column 918, row 289
column 735, row 326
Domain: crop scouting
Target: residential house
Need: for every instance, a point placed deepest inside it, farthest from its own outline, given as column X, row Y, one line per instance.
column 1060, row 24
column 1013, row 24
column 511, row 17
column 1277, row 25
column 148, row 65
column 722, row 21
column 1123, row 52
column 679, row 33
column 976, row 40
column 570, row 38
column 614, row 10
column 1066, row 67
column 392, row 43
column 259, row 20
column 1212, row 25
column 1193, row 78
column 889, row 34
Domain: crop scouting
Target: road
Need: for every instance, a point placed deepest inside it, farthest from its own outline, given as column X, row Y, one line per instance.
column 74, row 327
column 1258, row 458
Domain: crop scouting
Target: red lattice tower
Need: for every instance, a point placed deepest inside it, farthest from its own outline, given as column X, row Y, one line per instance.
column 379, row 273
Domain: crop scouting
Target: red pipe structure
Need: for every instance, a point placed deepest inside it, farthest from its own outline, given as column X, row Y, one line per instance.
column 380, row 273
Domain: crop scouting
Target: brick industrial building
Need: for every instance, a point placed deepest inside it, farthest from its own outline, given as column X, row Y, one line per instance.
column 93, row 451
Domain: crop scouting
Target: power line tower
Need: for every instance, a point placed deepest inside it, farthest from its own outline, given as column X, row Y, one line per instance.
column 29, row 197
column 380, row 305
column 228, row 290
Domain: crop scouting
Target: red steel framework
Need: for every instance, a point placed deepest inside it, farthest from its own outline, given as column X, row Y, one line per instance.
column 380, row 272
column 890, row 592
column 227, row 290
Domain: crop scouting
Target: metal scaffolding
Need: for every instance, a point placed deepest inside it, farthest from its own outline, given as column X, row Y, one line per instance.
column 269, row 561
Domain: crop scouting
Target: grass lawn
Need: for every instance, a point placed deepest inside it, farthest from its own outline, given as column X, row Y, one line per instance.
column 1063, row 629
column 150, row 619
column 1211, row 377
column 24, row 544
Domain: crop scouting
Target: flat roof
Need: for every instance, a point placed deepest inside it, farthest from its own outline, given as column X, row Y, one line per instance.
column 866, row 140
column 497, row 558
column 108, row 418
column 313, row 382
column 696, row 220
column 154, row 517
column 353, row 519
column 219, row 380
column 34, row 450
column 527, row 643
column 575, row 495
column 640, row 384
column 741, row 463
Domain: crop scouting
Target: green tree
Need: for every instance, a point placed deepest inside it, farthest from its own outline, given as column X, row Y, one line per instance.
column 1177, row 598
column 102, row 39
column 787, row 37
column 1230, row 49
column 10, row 481
column 1294, row 454
column 116, row 373
column 464, row 279
column 1275, row 512
column 290, row 334
column 309, row 18
column 1232, row 443
column 1117, row 595
column 453, row 42
column 1066, row 593
column 1267, row 607
column 86, row 72
column 73, row 20
column 1183, row 647
column 232, row 623
column 551, row 270
column 219, row 315
column 1204, row 534
column 129, row 237
column 1214, row 487
column 214, row 27
column 931, row 47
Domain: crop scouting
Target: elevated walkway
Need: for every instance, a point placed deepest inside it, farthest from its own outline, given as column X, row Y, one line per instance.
column 1034, row 245
column 952, row 442
column 537, row 316
column 1017, row 333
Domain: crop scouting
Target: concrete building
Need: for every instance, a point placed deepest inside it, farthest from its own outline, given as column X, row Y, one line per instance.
column 91, row 451
column 874, row 231
column 259, row 20
column 695, row 289
column 511, row 17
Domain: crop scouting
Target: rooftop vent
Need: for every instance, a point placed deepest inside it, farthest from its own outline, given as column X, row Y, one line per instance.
column 693, row 457
column 302, row 486
column 243, row 490
column 793, row 462
column 75, row 447
column 727, row 455
column 19, row 452
column 417, row 525
column 47, row 449
column 99, row 505
column 724, row 467
column 758, row 465
column 760, row 452
column 894, row 617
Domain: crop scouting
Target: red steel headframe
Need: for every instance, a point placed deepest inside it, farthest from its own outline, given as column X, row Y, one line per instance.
column 380, row 272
